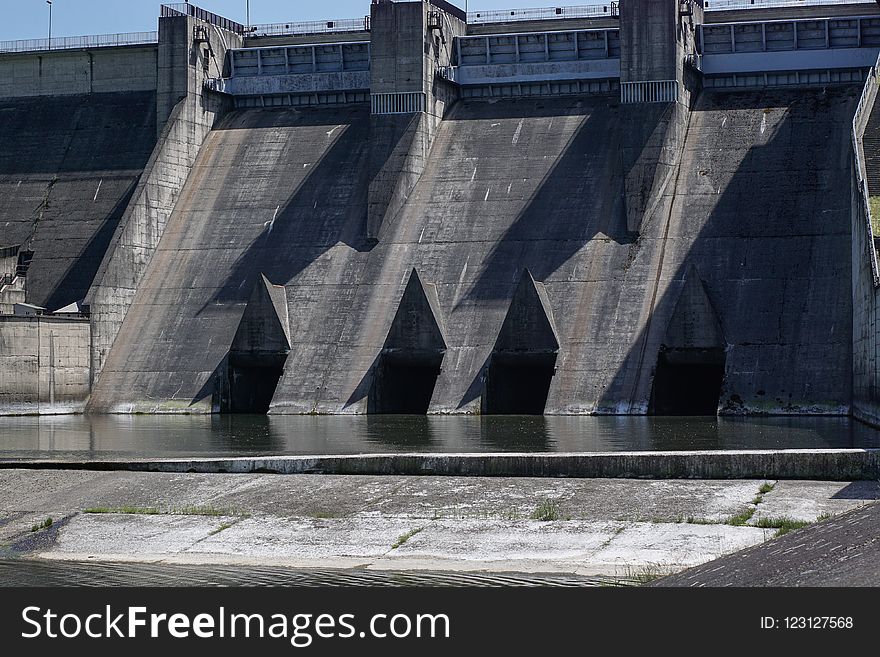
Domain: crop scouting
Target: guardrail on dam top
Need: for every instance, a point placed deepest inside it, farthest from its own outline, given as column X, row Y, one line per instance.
column 79, row 42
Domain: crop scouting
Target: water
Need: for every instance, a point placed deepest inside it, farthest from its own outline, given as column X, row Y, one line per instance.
column 107, row 437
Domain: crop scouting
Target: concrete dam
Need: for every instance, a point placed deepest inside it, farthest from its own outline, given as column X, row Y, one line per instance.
column 636, row 208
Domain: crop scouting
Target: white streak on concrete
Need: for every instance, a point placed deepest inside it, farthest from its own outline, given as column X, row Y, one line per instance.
column 518, row 132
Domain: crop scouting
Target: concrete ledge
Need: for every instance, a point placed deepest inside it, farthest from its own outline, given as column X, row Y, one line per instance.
column 812, row 464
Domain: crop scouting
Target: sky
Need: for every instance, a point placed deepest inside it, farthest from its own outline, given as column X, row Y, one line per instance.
column 29, row 19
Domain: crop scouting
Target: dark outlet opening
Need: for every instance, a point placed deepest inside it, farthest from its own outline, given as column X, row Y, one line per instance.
column 518, row 384
column 252, row 385
column 404, row 385
column 688, row 382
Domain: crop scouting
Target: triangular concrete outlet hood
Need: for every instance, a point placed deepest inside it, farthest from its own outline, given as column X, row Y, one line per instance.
column 529, row 325
column 264, row 326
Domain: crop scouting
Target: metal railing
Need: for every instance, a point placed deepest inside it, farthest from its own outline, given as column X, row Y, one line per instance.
column 544, row 13
column 79, row 42
column 653, row 91
column 398, row 103
column 310, row 27
column 727, row 5
column 860, row 122
column 186, row 9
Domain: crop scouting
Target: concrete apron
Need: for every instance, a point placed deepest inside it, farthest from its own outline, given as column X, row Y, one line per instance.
column 625, row 528
column 805, row 464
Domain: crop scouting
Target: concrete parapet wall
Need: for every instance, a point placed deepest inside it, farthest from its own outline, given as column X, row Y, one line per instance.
column 44, row 365
column 70, row 72
column 303, row 83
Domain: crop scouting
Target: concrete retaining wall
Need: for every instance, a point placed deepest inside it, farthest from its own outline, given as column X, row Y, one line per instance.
column 816, row 465
column 44, row 365
column 69, row 72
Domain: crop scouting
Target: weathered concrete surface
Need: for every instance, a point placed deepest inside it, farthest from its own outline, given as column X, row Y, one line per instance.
column 758, row 210
column 270, row 193
column 622, row 528
column 763, row 174
column 820, row 464
column 68, row 167
column 44, row 365
column 840, row 552
column 185, row 113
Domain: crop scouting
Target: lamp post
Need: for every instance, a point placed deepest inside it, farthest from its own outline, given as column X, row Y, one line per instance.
column 49, row 2
column 248, row 13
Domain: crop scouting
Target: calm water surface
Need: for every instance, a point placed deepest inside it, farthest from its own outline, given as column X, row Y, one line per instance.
column 101, row 437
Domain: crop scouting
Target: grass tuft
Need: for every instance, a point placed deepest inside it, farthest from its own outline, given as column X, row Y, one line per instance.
column 43, row 525
column 766, row 488
column 783, row 525
column 741, row 519
column 403, row 538
column 546, row 511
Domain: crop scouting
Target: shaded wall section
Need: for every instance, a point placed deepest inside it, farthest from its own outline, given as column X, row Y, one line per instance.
column 68, row 166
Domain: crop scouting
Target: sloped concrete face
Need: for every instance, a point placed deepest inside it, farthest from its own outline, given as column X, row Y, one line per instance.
column 512, row 185
column 273, row 192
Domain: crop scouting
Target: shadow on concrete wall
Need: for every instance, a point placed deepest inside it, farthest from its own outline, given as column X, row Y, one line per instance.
column 68, row 168
column 327, row 208
column 771, row 246
column 579, row 199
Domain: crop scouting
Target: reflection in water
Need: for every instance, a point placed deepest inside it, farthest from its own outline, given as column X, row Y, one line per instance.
column 511, row 433
column 120, row 436
column 402, row 432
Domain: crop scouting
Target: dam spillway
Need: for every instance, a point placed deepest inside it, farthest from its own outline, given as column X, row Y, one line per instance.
column 586, row 216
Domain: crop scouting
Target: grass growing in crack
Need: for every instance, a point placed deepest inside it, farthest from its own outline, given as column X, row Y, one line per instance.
column 43, row 525
column 223, row 527
column 783, row 525
column 152, row 511
column 645, row 574
column 129, row 510
column 547, row 511
column 741, row 519
column 824, row 516
column 403, row 538
column 766, row 488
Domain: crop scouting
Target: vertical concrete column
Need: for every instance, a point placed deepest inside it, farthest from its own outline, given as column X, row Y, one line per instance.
column 190, row 51
column 657, row 37
column 410, row 41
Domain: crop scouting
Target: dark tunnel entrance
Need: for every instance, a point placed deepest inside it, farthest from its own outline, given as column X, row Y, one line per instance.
column 404, row 384
column 252, row 383
column 688, row 382
column 518, row 383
